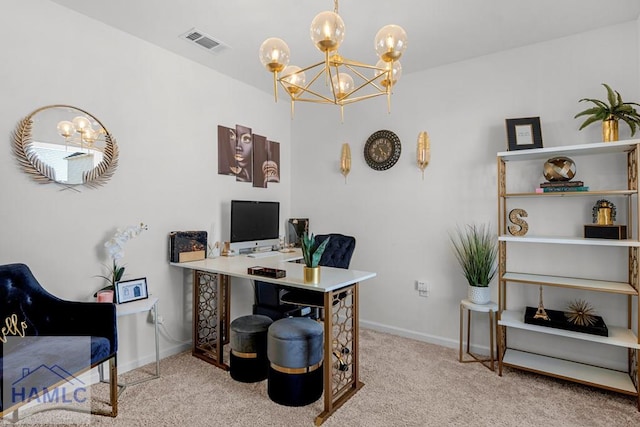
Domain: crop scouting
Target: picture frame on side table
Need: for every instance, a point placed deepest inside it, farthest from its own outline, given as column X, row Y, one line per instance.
column 524, row 133
column 131, row 290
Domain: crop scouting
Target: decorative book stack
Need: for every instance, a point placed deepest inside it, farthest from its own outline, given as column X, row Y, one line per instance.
column 561, row 186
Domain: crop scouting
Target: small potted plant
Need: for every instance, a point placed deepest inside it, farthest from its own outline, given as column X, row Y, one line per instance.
column 476, row 250
column 312, row 252
column 609, row 112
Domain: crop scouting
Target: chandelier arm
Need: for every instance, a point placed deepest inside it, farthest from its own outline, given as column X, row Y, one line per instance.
column 333, row 87
column 371, row 81
column 363, row 85
column 360, row 98
column 323, row 98
column 275, row 85
column 345, row 61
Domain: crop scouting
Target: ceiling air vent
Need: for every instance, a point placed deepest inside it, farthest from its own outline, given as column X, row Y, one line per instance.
column 203, row 40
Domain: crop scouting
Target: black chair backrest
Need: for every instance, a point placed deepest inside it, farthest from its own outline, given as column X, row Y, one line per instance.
column 339, row 250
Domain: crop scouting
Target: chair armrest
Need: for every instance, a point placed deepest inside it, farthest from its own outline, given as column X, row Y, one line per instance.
column 96, row 319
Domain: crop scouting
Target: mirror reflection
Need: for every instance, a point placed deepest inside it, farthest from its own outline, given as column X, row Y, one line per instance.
column 66, row 145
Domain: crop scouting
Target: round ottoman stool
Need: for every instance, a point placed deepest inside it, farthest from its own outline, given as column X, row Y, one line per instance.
column 294, row 348
column 248, row 339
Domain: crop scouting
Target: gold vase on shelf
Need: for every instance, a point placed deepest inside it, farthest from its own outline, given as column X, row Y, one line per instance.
column 610, row 129
column 610, row 111
column 311, row 275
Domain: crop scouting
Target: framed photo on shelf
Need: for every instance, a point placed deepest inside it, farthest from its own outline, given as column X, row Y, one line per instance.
column 524, row 133
column 131, row 290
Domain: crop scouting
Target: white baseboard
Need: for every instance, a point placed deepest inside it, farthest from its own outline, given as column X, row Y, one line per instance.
column 380, row 327
column 420, row 336
column 134, row 364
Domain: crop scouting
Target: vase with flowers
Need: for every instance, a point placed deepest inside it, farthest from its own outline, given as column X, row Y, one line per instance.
column 115, row 248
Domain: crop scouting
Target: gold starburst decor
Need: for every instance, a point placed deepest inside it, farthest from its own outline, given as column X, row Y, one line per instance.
column 581, row 313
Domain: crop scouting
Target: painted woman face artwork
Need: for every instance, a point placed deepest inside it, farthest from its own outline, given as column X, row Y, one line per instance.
column 248, row 157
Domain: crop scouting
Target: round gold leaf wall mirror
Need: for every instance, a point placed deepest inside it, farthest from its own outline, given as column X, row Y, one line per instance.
column 66, row 145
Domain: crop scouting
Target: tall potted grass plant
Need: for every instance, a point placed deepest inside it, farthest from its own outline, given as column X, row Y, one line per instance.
column 476, row 249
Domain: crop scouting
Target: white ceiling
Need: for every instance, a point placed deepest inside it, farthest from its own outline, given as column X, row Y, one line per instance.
column 439, row 31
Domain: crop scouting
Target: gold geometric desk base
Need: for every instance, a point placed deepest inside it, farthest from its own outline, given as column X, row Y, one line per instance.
column 211, row 315
column 491, row 308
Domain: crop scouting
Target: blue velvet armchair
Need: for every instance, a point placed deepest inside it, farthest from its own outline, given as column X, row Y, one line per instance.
column 63, row 329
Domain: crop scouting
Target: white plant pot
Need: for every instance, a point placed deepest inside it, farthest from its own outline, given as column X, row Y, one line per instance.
column 479, row 294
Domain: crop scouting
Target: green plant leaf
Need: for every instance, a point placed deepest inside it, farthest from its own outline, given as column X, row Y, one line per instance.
column 317, row 254
column 597, row 102
column 611, row 96
column 311, row 252
column 592, row 110
column 589, row 121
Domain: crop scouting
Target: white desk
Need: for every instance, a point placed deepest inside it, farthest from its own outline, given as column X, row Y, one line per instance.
column 134, row 307
column 211, row 306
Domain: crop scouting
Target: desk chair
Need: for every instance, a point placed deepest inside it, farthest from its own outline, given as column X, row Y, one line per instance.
column 268, row 303
column 337, row 254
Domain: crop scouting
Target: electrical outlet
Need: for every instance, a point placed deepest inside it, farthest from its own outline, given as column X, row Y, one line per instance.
column 152, row 319
column 423, row 288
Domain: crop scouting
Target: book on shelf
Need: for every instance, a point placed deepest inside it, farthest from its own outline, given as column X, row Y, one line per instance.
column 561, row 189
column 561, row 184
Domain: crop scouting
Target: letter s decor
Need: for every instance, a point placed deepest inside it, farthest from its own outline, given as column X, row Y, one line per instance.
column 521, row 227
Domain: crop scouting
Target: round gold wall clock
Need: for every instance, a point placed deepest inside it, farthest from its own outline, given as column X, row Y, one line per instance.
column 382, row 150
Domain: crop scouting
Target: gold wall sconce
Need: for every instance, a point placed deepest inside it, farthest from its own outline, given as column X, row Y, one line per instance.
column 423, row 154
column 345, row 161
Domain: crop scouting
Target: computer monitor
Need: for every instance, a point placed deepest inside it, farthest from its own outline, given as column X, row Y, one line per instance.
column 254, row 225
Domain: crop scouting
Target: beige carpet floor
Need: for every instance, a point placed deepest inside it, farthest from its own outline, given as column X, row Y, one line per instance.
column 407, row 383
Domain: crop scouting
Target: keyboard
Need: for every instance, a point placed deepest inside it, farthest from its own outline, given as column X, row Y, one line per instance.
column 263, row 254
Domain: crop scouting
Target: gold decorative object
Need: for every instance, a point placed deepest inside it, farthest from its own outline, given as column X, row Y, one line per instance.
column 609, row 112
column 423, row 153
column 581, row 313
column 311, row 274
column 78, row 134
column 345, row 161
column 336, row 80
column 604, row 212
column 610, row 129
column 521, row 227
column 559, row 169
column 541, row 313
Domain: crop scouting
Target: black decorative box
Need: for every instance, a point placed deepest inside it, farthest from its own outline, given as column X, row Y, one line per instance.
column 187, row 246
column 617, row 232
column 273, row 273
column 558, row 320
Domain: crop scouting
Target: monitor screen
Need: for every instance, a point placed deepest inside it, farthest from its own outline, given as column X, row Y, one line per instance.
column 253, row 221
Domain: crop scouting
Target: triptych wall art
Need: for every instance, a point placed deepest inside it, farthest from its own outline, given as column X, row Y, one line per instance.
column 248, row 156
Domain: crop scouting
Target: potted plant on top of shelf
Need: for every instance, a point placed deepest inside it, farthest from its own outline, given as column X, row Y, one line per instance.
column 476, row 250
column 312, row 252
column 609, row 113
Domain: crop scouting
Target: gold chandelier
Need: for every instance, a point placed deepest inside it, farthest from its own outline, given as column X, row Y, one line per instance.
column 346, row 81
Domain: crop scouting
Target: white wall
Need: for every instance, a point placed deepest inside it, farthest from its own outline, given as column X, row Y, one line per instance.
column 164, row 112
column 401, row 222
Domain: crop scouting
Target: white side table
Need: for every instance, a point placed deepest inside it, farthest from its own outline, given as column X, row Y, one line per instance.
column 134, row 307
column 491, row 308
